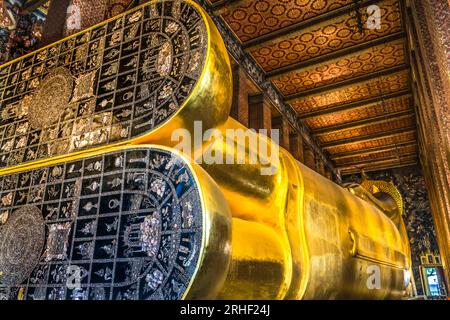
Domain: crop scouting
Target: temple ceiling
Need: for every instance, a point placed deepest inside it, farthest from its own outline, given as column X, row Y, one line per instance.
column 349, row 85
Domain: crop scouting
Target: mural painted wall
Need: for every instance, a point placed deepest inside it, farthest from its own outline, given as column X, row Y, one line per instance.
column 19, row 33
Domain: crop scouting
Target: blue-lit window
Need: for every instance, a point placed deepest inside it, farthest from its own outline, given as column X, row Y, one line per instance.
column 433, row 281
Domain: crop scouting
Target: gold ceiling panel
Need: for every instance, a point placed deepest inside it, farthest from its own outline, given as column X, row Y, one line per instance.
column 368, row 89
column 367, row 145
column 329, row 36
column 368, row 130
column 356, row 64
column 250, row 19
column 401, row 151
column 316, row 65
column 360, row 113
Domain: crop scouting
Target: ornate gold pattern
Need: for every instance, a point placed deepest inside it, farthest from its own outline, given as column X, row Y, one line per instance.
column 360, row 113
column 52, row 94
column 370, row 60
column 84, row 86
column 254, row 18
column 368, row 89
column 327, row 37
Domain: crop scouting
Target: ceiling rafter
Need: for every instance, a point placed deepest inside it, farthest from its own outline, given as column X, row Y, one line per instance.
column 400, row 158
column 356, row 104
column 335, row 55
column 385, row 134
column 219, row 6
column 347, row 82
column 380, row 167
column 366, row 122
column 389, row 147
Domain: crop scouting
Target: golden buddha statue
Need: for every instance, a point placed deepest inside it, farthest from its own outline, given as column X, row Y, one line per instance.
column 93, row 180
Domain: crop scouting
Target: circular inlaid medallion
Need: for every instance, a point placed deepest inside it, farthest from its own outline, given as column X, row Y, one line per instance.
column 51, row 98
column 21, row 243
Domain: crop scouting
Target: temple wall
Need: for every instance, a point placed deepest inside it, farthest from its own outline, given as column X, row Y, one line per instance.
column 96, row 11
column 428, row 28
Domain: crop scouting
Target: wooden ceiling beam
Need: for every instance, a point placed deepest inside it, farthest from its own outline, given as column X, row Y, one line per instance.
column 356, row 104
column 366, row 122
column 348, row 82
column 335, row 55
column 250, row 44
column 219, row 6
column 376, row 136
column 389, row 147
column 400, row 158
column 380, row 167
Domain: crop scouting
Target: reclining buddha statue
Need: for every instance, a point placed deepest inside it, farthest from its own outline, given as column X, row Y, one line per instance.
column 98, row 200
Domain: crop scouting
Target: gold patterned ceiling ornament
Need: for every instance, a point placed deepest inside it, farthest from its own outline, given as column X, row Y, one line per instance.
column 368, row 89
column 367, row 130
column 373, row 143
column 372, row 110
column 255, row 18
column 50, row 98
column 326, row 37
column 350, row 66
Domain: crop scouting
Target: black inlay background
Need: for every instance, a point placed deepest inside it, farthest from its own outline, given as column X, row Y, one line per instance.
column 129, row 75
column 129, row 223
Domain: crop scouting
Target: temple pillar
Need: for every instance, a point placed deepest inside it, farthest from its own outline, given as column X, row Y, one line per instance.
column 282, row 125
column 259, row 112
column 296, row 146
column 89, row 12
column 55, row 21
column 320, row 167
column 429, row 34
column 310, row 158
column 328, row 173
column 242, row 87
